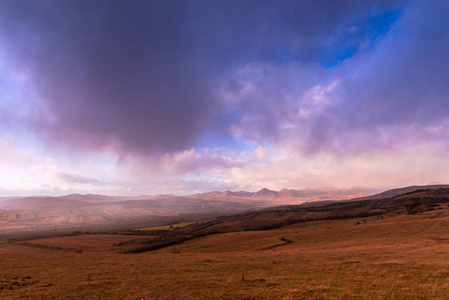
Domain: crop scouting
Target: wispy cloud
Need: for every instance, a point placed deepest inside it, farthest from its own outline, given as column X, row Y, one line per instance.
column 78, row 179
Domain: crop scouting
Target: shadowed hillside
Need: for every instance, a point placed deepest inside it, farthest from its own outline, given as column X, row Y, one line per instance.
column 408, row 203
column 403, row 190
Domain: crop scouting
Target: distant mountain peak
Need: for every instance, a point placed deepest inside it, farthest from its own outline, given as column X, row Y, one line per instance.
column 266, row 193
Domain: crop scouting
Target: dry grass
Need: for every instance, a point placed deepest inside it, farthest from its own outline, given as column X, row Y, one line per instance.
column 397, row 257
column 85, row 242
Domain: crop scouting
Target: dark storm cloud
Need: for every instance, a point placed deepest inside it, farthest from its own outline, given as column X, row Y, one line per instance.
column 141, row 76
column 109, row 72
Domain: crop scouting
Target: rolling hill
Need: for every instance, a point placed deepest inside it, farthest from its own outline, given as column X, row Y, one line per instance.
column 403, row 190
column 393, row 248
column 75, row 211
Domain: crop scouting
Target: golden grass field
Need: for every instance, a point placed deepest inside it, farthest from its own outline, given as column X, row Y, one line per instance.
column 394, row 257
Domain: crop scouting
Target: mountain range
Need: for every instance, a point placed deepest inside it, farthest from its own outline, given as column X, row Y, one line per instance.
column 290, row 195
column 75, row 210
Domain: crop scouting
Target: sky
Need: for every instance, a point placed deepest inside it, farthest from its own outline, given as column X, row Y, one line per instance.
column 150, row 97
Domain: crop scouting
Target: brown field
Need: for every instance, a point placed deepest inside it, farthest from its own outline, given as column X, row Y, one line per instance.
column 85, row 242
column 394, row 256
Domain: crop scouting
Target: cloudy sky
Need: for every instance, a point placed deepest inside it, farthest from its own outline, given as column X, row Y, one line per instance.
column 148, row 97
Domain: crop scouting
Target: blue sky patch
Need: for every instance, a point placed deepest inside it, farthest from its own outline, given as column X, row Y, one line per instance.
column 346, row 40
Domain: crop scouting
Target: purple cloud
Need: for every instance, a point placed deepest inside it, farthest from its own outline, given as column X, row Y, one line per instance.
column 391, row 91
column 143, row 77
column 108, row 73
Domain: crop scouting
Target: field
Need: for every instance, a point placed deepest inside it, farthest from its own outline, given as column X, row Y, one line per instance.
column 396, row 255
column 167, row 227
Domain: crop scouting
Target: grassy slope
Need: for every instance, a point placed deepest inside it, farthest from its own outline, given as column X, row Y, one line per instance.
column 399, row 256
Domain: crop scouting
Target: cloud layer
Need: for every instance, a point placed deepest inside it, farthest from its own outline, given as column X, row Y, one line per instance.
column 177, row 90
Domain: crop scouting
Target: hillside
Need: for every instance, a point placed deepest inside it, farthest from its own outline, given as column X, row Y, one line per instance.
column 402, row 253
column 403, row 190
column 81, row 212
column 78, row 212
column 274, row 217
